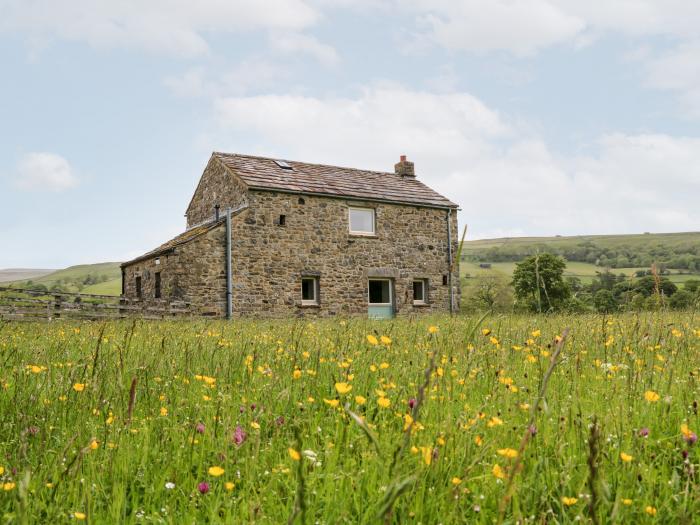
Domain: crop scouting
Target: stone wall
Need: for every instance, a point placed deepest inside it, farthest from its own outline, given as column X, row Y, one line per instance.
column 217, row 186
column 269, row 259
column 193, row 273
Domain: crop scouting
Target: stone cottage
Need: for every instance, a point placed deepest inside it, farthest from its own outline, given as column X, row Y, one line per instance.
column 270, row 237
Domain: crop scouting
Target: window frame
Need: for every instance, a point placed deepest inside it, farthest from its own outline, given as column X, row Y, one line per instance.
column 424, row 286
column 373, row 211
column 316, row 289
column 391, row 291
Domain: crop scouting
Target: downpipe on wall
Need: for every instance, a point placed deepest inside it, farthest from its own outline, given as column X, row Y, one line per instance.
column 449, row 260
column 229, row 284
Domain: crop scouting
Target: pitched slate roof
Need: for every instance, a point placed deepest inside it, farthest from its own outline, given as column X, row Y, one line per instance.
column 264, row 174
column 179, row 240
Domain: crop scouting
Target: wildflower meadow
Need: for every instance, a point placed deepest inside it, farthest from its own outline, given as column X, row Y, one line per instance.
column 512, row 419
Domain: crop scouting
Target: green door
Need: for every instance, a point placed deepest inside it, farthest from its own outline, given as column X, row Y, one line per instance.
column 380, row 299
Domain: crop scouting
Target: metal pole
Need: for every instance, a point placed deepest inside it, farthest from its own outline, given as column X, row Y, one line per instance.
column 229, row 287
column 449, row 259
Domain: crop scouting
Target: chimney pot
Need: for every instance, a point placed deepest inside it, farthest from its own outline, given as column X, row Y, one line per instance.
column 403, row 158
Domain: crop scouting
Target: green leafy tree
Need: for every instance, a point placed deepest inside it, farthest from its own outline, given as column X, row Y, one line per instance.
column 604, row 301
column 539, row 284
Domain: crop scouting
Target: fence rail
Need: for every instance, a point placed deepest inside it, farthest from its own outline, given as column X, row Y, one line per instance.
column 30, row 305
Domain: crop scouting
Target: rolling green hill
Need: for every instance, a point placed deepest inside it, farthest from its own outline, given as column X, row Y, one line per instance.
column 100, row 278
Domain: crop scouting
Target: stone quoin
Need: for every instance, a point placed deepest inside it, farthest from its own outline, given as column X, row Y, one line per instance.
column 306, row 240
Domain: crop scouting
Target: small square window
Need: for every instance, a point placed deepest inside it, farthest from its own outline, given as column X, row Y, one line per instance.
column 361, row 221
column 309, row 290
column 420, row 291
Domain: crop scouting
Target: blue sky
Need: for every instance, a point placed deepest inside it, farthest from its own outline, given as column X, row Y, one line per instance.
column 539, row 117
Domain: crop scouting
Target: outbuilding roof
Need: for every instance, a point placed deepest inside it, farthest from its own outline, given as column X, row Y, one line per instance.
column 263, row 173
column 179, row 240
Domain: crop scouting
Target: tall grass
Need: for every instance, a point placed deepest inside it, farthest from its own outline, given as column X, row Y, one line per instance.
column 122, row 422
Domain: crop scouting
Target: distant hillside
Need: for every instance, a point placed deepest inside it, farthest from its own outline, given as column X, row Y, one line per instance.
column 680, row 251
column 100, row 278
column 19, row 274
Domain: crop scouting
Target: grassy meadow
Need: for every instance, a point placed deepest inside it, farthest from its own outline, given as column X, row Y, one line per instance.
column 350, row 421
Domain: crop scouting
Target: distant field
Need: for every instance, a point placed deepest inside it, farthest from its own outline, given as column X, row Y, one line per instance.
column 584, row 271
column 69, row 277
column 21, row 274
column 605, row 241
column 111, row 287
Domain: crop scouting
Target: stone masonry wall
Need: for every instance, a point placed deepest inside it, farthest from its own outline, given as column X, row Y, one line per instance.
column 217, row 186
column 269, row 259
column 193, row 273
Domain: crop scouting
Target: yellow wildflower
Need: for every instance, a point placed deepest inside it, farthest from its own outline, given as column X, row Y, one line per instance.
column 651, row 396
column 79, row 516
column 360, row 400
column 294, row 454
column 296, row 374
column 331, row 402
column 456, row 480
column 384, row 402
column 494, row 422
column 626, row 457
column 385, row 340
column 568, row 501
column 650, row 510
column 498, row 471
column 343, row 388
column 163, row 411
column 372, row 340
column 215, row 471
column 433, row 329
column 626, row 501
column 79, row 387
column 229, row 486
column 508, row 452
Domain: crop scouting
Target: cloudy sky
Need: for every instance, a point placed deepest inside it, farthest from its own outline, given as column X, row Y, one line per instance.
column 539, row 117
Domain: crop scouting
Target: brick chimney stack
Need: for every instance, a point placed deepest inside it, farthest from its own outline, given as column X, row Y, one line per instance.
column 404, row 168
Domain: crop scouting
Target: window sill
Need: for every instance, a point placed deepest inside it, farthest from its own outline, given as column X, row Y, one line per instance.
column 364, row 235
column 309, row 305
column 420, row 305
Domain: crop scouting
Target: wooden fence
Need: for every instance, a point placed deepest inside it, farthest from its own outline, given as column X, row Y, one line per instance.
column 33, row 305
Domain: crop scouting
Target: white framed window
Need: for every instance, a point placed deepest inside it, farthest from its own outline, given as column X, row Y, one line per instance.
column 420, row 291
column 309, row 290
column 379, row 292
column 361, row 221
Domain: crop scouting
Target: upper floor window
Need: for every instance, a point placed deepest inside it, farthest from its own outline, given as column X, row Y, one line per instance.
column 361, row 221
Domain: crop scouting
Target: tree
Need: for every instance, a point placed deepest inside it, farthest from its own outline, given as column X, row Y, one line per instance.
column 604, row 301
column 491, row 292
column 682, row 300
column 539, row 284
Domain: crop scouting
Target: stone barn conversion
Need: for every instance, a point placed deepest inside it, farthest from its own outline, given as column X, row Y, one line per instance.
column 276, row 238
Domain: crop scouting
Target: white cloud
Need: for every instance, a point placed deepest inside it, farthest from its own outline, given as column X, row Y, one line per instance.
column 172, row 26
column 678, row 70
column 504, row 178
column 247, row 76
column 292, row 43
column 521, row 27
column 45, row 172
